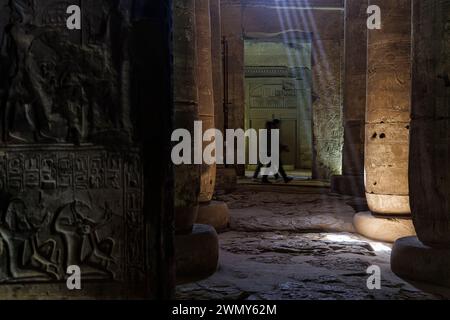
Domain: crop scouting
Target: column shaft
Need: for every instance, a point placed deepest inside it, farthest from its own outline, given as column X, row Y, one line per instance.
column 351, row 181
column 426, row 258
column 187, row 177
column 388, row 110
column 205, row 90
column 429, row 173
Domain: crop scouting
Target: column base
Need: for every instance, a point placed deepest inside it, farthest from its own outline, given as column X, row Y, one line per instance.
column 348, row 185
column 411, row 259
column 197, row 254
column 383, row 229
column 215, row 214
column 226, row 179
column 185, row 219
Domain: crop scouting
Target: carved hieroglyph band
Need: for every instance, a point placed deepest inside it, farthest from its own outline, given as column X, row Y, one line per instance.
column 64, row 205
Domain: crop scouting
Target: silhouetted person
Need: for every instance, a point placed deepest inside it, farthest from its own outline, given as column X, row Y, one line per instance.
column 283, row 148
column 260, row 165
column 273, row 125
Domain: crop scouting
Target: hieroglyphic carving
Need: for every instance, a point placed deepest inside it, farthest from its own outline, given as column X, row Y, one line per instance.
column 281, row 94
column 70, row 206
column 328, row 132
column 65, row 196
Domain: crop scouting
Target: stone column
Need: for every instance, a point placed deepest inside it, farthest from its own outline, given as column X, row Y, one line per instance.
column 387, row 125
column 217, row 67
column 212, row 213
column 187, row 177
column 223, row 28
column 205, row 90
column 232, row 30
column 427, row 256
column 191, row 241
column 351, row 182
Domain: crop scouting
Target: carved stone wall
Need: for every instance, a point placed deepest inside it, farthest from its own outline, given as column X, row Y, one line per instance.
column 72, row 156
column 327, row 107
column 351, row 182
column 49, row 97
column 62, row 206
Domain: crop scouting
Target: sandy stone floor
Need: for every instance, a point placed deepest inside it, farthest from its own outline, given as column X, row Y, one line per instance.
column 298, row 243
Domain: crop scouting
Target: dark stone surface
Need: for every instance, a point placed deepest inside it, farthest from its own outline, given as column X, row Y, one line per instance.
column 429, row 171
column 66, row 86
column 77, row 180
column 226, row 180
column 197, row 253
column 413, row 260
column 186, row 101
column 215, row 214
column 348, row 185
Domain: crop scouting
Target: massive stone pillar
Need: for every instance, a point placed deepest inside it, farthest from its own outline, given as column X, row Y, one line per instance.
column 187, row 177
column 217, row 67
column 351, row 182
column 205, row 90
column 427, row 256
column 226, row 179
column 212, row 213
column 232, row 30
column 387, row 125
column 191, row 241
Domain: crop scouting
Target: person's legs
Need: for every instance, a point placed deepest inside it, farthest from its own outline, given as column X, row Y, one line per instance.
column 265, row 178
column 258, row 169
column 283, row 174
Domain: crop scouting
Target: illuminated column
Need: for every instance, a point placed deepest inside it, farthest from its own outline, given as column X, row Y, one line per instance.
column 427, row 258
column 387, row 125
column 212, row 213
column 351, row 182
column 196, row 246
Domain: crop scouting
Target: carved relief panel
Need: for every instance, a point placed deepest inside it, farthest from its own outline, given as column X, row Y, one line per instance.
column 70, row 166
column 65, row 86
column 63, row 206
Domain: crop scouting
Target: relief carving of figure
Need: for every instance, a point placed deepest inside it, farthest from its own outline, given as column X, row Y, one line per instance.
column 29, row 258
column 28, row 106
column 80, row 233
column 59, row 91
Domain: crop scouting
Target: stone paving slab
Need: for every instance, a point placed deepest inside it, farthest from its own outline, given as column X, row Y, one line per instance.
column 273, row 251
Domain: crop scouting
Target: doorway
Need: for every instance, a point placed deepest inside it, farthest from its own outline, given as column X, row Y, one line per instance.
column 278, row 85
